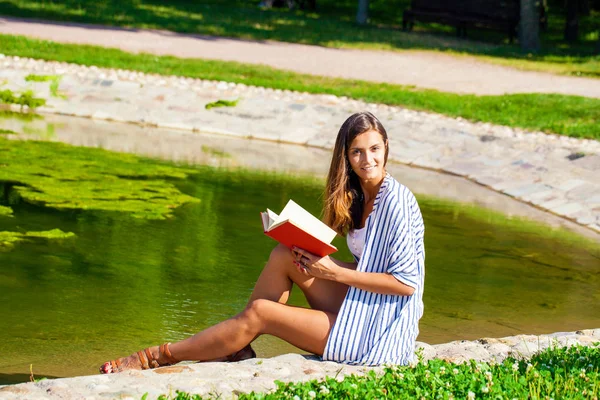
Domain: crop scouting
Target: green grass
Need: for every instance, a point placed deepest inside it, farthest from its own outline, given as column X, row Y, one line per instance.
column 332, row 25
column 557, row 373
column 566, row 115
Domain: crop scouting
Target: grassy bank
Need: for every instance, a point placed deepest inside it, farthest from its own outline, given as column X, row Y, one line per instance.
column 558, row 373
column 331, row 25
column 565, row 115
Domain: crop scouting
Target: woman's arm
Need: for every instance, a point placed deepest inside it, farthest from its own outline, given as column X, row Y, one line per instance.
column 338, row 271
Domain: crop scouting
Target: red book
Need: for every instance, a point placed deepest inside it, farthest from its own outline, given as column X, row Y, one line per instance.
column 297, row 227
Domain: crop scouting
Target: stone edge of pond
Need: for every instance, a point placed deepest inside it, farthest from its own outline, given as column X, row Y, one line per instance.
column 530, row 190
column 225, row 380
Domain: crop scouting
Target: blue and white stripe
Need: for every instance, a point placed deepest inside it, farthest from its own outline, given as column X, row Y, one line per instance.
column 373, row 328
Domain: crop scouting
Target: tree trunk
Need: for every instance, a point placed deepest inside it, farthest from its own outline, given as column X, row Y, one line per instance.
column 363, row 12
column 529, row 30
column 585, row 8
column 572, row 21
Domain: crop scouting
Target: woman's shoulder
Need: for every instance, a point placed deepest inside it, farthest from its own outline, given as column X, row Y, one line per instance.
column 396, row 192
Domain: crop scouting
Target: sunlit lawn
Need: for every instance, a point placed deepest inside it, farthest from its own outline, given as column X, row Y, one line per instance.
column 331, row 25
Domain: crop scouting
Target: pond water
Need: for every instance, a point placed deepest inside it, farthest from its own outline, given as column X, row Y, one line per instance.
column 125, row 283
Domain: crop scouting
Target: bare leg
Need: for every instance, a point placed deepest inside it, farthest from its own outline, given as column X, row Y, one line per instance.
column 266, row 313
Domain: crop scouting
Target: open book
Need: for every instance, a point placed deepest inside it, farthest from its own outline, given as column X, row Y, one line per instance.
column 297, row 227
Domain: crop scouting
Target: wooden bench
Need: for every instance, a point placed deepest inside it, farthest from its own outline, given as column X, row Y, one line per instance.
column 500, row 15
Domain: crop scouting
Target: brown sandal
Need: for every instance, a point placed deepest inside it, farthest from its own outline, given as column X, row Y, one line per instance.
column 146, row 359
column 241, row 355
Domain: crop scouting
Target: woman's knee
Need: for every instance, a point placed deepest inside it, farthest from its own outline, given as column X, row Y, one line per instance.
column 258, row 311
column 281, row 254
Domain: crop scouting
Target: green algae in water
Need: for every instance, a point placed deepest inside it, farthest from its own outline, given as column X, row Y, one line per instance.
column 5, row 211
column 67, row 177
column 9, row 239
column 7, row 132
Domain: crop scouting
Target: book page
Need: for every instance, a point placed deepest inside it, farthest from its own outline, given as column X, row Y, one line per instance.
column 268, row 218
column 306, row 221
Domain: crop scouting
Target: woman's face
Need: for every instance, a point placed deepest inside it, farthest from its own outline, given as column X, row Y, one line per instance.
column 367, row 156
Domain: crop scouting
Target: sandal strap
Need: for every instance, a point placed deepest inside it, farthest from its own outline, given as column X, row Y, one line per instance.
column 166, row 353
column 115, row 365
column 153, row 363
column 143, row 359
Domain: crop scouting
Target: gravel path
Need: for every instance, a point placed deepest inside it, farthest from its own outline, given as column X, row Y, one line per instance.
column 423, row 69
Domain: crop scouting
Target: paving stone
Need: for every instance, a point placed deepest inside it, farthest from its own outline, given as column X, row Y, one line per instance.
column 527, row 189
column 570, row 184
column 566, row 209
column 591, row 162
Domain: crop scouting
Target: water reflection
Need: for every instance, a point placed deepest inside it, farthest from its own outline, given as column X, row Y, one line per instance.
column 127, row 283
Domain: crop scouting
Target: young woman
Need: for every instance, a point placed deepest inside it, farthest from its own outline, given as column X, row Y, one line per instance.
column 364, row 312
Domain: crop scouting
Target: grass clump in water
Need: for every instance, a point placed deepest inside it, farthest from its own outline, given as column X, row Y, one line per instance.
column 53, row 79
column 7, row 132
column 26, row 98
column 560, row 373
column 67, row 177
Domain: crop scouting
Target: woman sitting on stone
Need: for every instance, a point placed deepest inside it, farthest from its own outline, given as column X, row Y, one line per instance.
column 364, row 312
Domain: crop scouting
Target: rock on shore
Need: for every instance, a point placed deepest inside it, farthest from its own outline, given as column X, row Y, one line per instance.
column 225, row 380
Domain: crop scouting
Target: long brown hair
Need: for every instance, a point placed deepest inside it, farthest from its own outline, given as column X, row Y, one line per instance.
column 343, row 206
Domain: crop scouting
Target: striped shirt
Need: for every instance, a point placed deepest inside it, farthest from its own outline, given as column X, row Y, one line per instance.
column 373, row 328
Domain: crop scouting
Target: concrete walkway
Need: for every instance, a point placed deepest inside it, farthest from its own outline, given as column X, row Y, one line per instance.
column 423, row 69
column 554, row 173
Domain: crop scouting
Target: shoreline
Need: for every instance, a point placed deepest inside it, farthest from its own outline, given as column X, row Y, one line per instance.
column 552, row 173
column 226, row 380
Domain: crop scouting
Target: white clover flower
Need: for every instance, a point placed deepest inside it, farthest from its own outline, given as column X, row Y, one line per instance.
column 488, row 375
column 324, row 390
column 485, row 389
column 443, row 370
column 470, row 395
column 448, row 384
column 529, row 366
column 582, row 374
column 401, row 376
column 455, row 371
column 515, row 366
column 296, row 397
column 354, row 386
column 312, row 394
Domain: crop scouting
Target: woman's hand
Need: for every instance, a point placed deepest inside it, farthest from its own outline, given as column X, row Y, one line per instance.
column 313, row 265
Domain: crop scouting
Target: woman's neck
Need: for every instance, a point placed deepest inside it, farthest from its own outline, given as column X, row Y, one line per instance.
column 370, row 189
